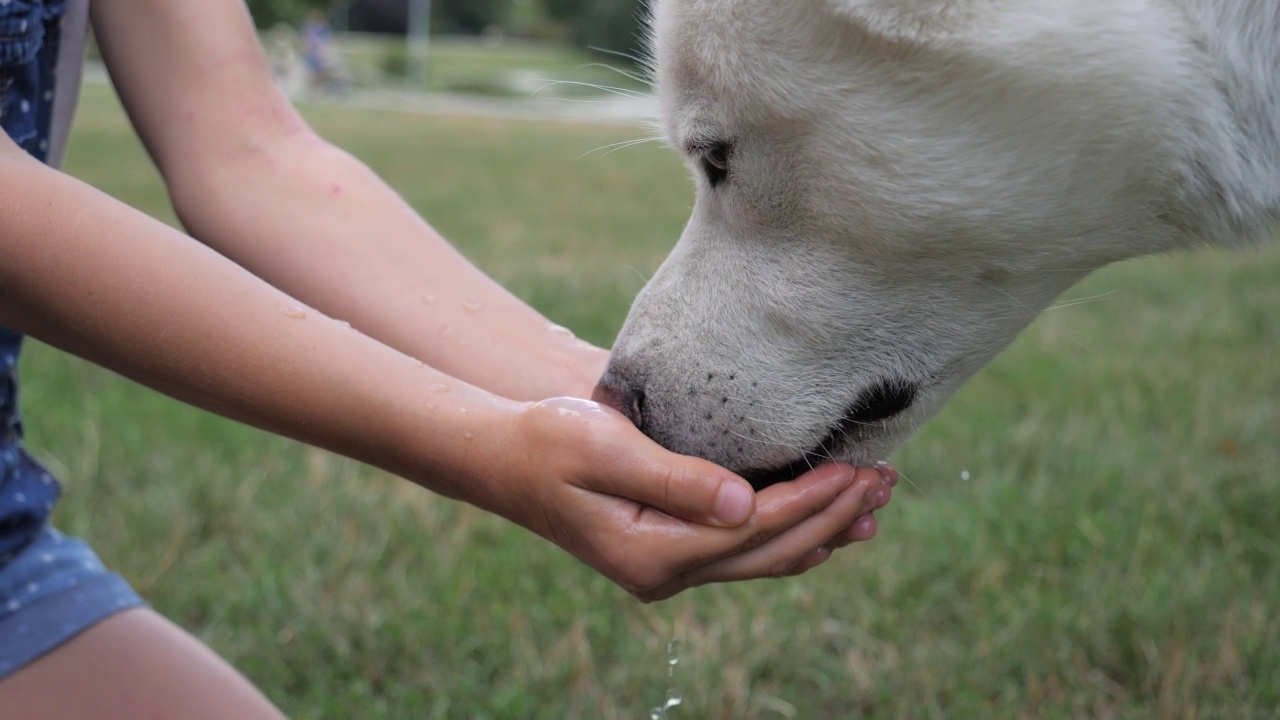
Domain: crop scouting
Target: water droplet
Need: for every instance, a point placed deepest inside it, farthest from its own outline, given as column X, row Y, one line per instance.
column 674, row 698
column 430, row 299
column 560, row 330
column 470, row 436
column 440, row 388
column 472, row 305
column 294, row 312
column 445, row 332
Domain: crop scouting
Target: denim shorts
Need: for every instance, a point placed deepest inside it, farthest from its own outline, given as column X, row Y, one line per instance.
column 52, row 590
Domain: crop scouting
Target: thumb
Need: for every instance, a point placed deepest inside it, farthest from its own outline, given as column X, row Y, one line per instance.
column 629, row 465
column 685, row 487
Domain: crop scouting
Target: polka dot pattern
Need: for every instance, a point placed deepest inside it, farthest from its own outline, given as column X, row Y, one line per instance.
column 28, row 492
column 51, row 591
column 29, row 34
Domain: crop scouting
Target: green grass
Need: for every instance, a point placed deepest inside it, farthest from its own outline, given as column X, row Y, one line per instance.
column 1113, row 554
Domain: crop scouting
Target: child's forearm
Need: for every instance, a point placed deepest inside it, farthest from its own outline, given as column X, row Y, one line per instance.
column 314, row 221
column 252, row 181
column 99, row 279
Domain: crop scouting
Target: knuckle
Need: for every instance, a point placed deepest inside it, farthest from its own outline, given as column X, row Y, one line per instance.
column 755, row 540
column 593, row 441
column 672, row 477
column 677, row 482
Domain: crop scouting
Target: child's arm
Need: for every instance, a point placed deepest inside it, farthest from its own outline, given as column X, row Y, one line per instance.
column 95, row 277
column 250, row 179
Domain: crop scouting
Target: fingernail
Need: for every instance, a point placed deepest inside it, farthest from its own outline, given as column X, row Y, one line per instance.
column 879, row 498
column 865, row 527
column 887, row 474
column 734, row 503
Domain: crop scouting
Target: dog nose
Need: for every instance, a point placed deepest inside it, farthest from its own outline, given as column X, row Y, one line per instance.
column 617, row 392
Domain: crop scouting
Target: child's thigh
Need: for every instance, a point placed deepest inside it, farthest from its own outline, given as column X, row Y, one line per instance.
column 132, row 665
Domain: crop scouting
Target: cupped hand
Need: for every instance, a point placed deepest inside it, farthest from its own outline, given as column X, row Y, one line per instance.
column 657, row 523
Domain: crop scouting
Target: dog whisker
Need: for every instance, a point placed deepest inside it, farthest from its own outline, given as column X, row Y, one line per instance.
column 911, row 483
column 635, row 77
column 645, row 63
column 1030, row 311
column 624, row 92
column 637, row 273
column 1080, row 301
column 614, row 147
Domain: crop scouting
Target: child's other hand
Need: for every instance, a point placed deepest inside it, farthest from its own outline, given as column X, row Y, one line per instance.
column 657, row 523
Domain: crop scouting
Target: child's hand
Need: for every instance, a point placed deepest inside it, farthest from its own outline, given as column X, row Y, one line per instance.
column 657, row 523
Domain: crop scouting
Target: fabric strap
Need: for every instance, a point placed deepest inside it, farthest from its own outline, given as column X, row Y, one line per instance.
column 67, row 74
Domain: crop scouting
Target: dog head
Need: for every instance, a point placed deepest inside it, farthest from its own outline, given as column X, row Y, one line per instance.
column 888, row 192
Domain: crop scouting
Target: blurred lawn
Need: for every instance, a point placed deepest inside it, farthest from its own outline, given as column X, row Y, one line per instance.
column 1113, row 553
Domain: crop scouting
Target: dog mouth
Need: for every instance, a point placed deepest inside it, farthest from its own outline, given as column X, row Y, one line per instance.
column 868, row 414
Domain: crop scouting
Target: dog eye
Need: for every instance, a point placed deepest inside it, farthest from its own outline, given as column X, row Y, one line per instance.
column 715, row 163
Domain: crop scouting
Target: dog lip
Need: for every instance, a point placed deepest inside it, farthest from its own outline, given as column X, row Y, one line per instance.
column 879, row 402
column 821, row 453
column 761, row 479
column 875, row 406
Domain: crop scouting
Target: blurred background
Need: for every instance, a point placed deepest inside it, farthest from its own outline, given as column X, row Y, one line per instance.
column 496, row 48
column 1089, row 529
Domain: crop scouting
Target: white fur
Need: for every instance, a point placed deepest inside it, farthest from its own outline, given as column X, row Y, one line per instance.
column 912, row 181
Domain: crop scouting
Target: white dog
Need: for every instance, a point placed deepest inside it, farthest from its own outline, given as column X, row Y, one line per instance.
column 888, row 191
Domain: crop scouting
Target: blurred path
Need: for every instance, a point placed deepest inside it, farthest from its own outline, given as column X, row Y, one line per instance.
column 611, row 109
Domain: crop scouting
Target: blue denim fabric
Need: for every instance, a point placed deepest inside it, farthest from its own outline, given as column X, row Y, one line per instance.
column 28, row 51
column 55, row 589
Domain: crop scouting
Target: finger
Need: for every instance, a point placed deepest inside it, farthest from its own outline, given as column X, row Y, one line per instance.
column 888, row 472
column 810, row 561
column 684, row 487
column 789, row 548
column 682, row 547
column 862, row 529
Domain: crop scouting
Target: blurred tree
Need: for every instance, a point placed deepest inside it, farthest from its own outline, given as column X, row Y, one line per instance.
column 616, row 26
column 467, row 16
column 564, row 10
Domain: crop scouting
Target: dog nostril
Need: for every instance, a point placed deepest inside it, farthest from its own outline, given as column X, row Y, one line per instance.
column 882, row 401
column 617, row 393
column 637, row 409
